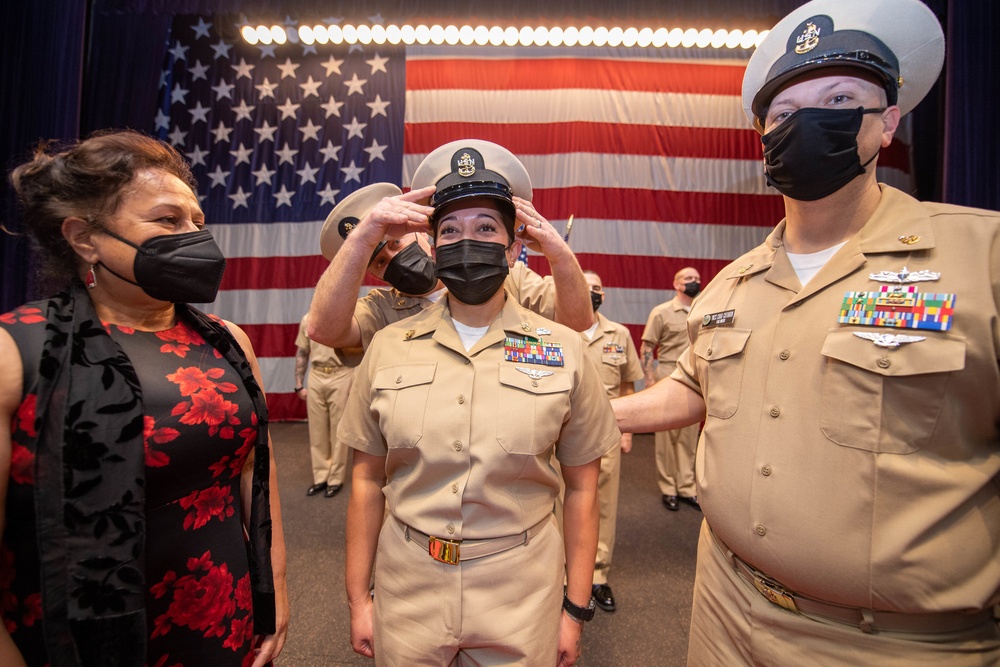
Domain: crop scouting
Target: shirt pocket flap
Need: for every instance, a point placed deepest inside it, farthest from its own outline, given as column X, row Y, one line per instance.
column 404, row 375
column 721, row 343
column 550, row 384
column 940, row 353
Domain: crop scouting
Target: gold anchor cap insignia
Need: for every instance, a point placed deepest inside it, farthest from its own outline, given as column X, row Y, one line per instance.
column 466, row 165
column 808, row 40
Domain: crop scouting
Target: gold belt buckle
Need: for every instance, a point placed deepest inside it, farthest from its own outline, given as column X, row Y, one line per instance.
column 445, row 551
column 774, row 593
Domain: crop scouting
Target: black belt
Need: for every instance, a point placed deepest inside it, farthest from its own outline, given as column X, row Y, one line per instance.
column 868, row 620
column 453, row 552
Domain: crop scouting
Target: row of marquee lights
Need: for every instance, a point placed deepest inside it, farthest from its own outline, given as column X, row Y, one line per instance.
column 497, row 36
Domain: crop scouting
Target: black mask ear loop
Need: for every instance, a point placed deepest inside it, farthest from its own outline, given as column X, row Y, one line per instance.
column 872, row 158
column 107, row 268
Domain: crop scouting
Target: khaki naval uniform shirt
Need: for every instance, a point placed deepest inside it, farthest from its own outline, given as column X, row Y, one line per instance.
column 666, row 328
column 467, row 436
column 613, row 352
column 384, row 305
column 852, row 473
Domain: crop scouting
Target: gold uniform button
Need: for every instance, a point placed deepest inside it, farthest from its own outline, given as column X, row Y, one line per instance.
column 775, row 411
column 454, row 487
column 709, row 352
column 457, row 446
column 399, row 379
column 883, row 363
column 451, row 528
column 784, row 355
column 760, row 530
column 461, row 399
column 765, row 471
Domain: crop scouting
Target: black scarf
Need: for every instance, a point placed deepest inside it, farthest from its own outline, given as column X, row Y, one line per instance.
column 90, row 488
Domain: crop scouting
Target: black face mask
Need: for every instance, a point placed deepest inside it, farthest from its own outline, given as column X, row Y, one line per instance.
column 692, row 289
column 596, row 299
column 472, row 270
column 411, row 271
column 814, row 152
column 180, row 268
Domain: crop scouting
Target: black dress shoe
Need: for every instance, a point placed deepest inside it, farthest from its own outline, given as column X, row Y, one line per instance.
column 692, row 501
column 316, row 488
column 602, row 595
column 671, row 503
column 331, row 491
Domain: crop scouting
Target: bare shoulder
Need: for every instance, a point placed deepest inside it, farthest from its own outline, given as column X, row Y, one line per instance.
column 11, row 374
column 240, row 336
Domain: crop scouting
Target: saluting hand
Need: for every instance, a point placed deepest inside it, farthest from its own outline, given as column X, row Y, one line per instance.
column 395, row 217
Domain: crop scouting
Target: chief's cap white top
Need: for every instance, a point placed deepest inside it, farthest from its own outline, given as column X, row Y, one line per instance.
column 349, row 212
column 899, row 41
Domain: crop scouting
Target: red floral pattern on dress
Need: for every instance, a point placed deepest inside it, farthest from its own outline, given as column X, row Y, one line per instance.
column 22, row 464
column 24, row 418
column 204, row 601
column 178, row 340
column 23, row 315
column 160, row 436
column 213, row 502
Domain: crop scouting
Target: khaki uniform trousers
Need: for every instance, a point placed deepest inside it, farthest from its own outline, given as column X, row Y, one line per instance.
column 675, row 453
column 325, row 403
column 502, row 609
column 732, row 624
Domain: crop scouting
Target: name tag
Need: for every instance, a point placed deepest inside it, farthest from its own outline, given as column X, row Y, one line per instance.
column 724, row 318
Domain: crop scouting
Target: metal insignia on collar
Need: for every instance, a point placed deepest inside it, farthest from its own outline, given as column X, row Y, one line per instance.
column 888, row 340
column 542, row 331
column 909, row 239
column 744, row 269
column 408, row 335
column 904, row 276
column 533, row 373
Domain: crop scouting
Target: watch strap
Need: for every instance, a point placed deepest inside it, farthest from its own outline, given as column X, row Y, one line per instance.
column 577, row 613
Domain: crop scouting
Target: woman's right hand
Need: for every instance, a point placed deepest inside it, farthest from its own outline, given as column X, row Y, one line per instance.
column 363, row 626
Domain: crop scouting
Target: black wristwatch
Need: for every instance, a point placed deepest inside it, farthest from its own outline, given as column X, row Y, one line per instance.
column 579, row 614
column 298, row 389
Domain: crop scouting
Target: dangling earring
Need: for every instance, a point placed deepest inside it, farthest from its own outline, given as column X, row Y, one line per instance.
column 90, row 279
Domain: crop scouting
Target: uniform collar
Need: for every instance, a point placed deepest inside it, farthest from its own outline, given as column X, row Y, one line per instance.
column 513, row 320
column 899, row 224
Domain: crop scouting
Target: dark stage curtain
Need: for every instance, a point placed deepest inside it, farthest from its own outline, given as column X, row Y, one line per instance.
column 40, row 80
column 971, row 166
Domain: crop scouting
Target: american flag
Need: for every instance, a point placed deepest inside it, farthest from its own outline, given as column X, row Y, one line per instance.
column 647, row 149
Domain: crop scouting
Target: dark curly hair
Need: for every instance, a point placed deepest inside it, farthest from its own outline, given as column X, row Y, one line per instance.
column 87, row 179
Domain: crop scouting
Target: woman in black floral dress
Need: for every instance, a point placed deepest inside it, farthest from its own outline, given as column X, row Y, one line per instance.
column 141, row 524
